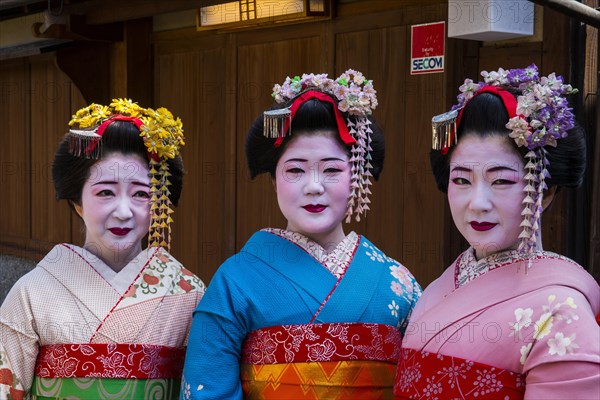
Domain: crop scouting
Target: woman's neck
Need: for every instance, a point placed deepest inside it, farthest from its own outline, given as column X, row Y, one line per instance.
column 115, row 260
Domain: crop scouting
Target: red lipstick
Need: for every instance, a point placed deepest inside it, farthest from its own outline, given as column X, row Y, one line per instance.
column 314, row 208
column 482, row 226
column 120, row 231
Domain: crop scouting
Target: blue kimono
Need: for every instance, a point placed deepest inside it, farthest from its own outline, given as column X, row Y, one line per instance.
column 277, row 279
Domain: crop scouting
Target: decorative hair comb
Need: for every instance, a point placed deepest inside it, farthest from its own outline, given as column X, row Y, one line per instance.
column 276, row 121
column 84, row 143
column 444, row 130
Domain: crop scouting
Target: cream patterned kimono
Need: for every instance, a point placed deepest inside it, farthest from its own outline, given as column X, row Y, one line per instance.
column 74, row 327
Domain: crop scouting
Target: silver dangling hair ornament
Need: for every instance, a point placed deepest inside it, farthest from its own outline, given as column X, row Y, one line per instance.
column 276, row 121
column 85, row 143
column 443, row 128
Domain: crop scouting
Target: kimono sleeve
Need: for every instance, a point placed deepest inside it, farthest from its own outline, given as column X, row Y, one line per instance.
column 408, row 291
column 563, row 361
column 19, row 343
column 212, row 362
column 414, row 297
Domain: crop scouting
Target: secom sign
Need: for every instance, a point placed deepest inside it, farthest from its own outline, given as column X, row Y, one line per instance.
column 427, row 48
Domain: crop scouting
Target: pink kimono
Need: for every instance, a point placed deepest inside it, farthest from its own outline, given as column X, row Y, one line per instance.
column 494, row 329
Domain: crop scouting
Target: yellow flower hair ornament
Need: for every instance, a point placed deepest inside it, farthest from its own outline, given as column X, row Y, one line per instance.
column 163, row 137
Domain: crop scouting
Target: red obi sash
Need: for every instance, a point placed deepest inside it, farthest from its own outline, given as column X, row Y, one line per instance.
column 423, row 375
column 103, row 360
column 313, row 361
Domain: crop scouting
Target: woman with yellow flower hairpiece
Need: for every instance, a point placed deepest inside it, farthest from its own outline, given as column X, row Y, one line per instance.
column 119, row 317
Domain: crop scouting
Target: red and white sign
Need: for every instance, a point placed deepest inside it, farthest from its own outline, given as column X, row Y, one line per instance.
column 427, row 48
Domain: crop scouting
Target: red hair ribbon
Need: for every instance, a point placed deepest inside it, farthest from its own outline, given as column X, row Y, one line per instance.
column 118, row 117
column 509, row 101
column 314, row 94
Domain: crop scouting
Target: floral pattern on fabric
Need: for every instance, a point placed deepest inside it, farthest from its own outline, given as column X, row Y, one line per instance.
column 109, row 361
column 186, row 392
column 336, row 261
column 526, row 330
column 322, row 342
column 469, row 268
column 186, row 389
column 10, row 387
column 402, row 285
column 423, row 375
column 162, row 276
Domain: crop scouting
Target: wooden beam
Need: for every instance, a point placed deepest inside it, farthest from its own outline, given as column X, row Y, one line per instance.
column 87, row 65
column 110, row 32
column 109, row 11
column 76, row 28
column 574, row 9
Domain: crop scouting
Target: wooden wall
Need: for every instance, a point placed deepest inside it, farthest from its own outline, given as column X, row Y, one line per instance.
column 36, row 101
column 218, row 83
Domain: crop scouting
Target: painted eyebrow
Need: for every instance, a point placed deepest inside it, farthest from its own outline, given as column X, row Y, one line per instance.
column 501, row 168
column 323, row 159
column 492, row 169
column 461, row 169
column 296, row 160
column 138, row 183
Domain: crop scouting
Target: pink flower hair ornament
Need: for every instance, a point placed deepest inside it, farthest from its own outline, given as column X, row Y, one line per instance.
column 351, row 93
column 538, row 117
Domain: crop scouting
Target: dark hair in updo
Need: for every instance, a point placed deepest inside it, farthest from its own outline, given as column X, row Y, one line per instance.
column 485, row 115
column 312, row 116
column 69, row 172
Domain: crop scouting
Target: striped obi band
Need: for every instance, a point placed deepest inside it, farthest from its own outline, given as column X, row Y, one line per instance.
column 423, row 375
column 316, row 361
column 125, row 361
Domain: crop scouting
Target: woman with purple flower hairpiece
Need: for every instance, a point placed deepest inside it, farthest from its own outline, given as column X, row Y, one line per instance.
column 507, row 320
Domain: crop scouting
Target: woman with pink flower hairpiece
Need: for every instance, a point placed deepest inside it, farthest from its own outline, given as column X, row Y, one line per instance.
column 507, row 320
column 309, row 311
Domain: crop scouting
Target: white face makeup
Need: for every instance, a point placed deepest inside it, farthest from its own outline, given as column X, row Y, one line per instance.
column 313, row 186
column 485, row 193
column 115, row 207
